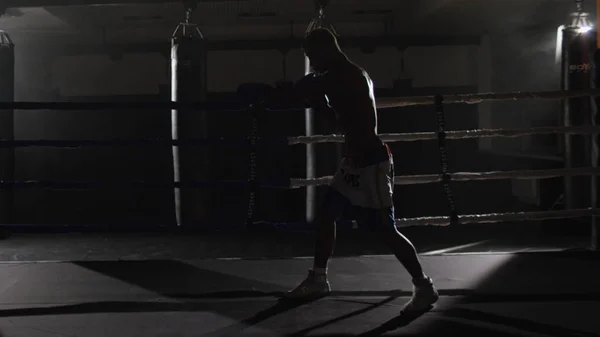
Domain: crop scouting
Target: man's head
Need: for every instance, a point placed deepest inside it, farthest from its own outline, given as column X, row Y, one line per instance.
column 322, row 48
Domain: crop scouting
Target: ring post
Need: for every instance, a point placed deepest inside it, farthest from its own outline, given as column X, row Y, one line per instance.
column 255, row 109
column 595, row 234
column 310, row 156
column 7, row 132
column 446, row 177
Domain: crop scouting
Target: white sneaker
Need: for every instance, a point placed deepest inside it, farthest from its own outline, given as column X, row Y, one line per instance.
column 312, row 287
column 424, row 295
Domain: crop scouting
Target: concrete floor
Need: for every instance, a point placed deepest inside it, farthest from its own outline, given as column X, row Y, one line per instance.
column 149, row 285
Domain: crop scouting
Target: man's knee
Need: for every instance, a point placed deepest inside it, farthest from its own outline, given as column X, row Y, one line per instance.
column 388, row 234
column 332, row 207
column 324, row 221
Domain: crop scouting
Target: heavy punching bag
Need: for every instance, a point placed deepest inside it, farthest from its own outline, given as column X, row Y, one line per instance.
column 188, row 84
column 577, row 75
column 7, row 154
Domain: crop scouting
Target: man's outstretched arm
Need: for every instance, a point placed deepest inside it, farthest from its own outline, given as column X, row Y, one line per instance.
column 309, row 86
column 312, row 90
column 309, row 89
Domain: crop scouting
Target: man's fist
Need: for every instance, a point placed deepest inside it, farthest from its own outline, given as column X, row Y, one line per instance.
column 308, row 86
column 284, row 94
column 318, row 102
column 299, row 93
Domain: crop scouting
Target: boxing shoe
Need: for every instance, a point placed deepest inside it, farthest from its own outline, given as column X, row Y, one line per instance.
column 314, row 286
column 424, row 295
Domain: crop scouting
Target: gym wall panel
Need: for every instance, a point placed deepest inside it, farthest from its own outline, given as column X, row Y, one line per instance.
column 101, row 75
column 442, row 66
column 227, row 69
column 142, row 74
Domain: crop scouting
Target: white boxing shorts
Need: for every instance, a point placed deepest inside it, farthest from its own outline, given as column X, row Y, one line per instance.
column 367, row 181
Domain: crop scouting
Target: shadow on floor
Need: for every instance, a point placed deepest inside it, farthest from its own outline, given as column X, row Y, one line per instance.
column 179, row 280
column 187, row 285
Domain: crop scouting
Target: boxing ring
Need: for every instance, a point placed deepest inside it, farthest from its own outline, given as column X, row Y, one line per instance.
column 118, row 292
column 230, row 285
column 188, row 85
column 254, row 141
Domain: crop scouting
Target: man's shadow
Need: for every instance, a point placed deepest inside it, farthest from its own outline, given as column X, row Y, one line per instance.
column 404, row 319
column 283, row 305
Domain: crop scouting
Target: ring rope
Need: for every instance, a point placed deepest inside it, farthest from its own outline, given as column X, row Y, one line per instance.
column 458, row 134
column 466, row 176
column 299, row 182
column 498, row 217
column 315, row 139
column 443, row 221
column 478, row 98
column 159, row 105
column 382, row 103
column 388, row 103
column 116, row 184
column 73, row 144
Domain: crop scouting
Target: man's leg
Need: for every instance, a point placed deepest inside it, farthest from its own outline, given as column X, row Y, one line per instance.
column 316, row 283
column 325, row 231
column 384, row 220
column 400, row 245
column 424, row 292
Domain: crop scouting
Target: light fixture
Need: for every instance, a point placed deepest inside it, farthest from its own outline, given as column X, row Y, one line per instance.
column 579, row 21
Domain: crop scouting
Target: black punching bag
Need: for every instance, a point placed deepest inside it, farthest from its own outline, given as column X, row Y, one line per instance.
column 577, row 75
column 188, row 84
column 595, row 225
column 7, row 155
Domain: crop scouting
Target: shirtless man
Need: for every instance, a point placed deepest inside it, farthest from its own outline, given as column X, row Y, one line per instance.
column 366, row 175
